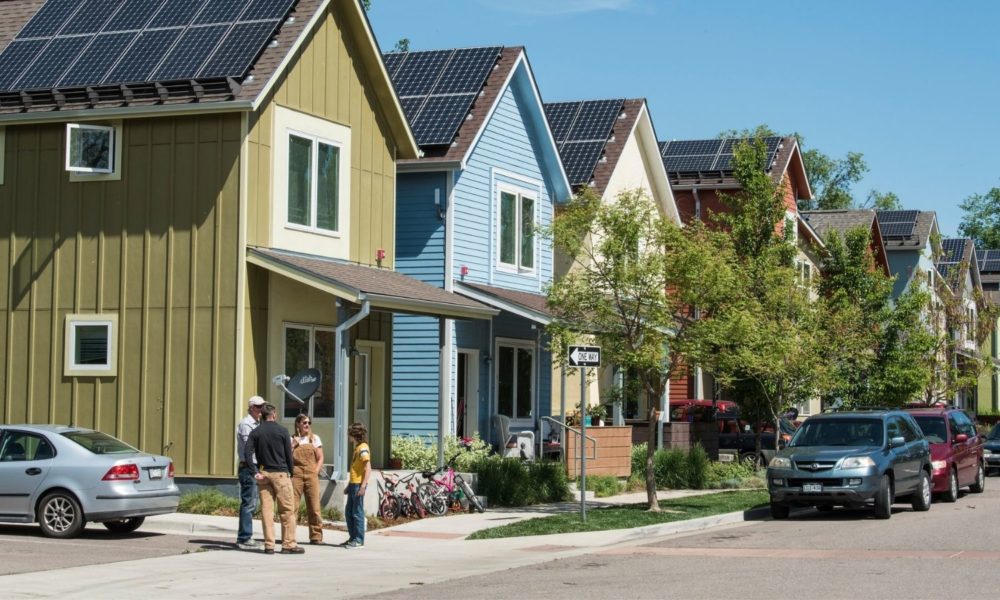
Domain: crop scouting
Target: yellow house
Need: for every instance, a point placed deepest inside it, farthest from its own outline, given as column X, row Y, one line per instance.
column 193, row 199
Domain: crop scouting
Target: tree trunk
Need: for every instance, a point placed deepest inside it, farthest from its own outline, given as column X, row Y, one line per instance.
column 654, row 505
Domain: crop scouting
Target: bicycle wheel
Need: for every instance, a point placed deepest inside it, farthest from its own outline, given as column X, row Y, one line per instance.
column 389, row 509
column 419, row 510
column 473, row 499
column 433, row 498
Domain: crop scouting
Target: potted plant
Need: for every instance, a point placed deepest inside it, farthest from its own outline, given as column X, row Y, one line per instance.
column 597, row 414
column 395, row 463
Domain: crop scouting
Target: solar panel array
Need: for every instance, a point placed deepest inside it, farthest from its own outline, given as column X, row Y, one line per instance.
column 706, row 156
column 74, row 43
column 952, row 250
column 897, row 223
column 989, row 261
column 437, row 88
column 581, row 130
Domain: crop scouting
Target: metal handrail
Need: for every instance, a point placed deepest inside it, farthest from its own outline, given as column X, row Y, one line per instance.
column 572, row 429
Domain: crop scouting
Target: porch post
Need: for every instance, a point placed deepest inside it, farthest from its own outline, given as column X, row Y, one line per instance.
column 342, row 342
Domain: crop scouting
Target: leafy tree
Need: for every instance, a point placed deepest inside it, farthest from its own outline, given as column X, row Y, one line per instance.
column 403, row 45
column 981, row 219
column 625, row 257
column 882, row 201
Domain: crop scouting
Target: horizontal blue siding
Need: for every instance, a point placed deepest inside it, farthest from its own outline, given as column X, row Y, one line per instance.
column 416, row 370
column 420, row 234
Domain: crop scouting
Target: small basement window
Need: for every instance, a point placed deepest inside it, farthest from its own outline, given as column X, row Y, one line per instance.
column 90, row 148
column 90, row 345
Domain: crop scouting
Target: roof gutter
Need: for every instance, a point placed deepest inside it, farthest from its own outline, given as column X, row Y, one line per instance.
column 126, row 112
column 424, row 165
column 442, row 309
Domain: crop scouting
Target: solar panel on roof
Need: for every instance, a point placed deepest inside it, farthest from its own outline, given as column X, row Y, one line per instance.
column 595, row 121
column 896, row 230
column 692, row 163
column 52, row 62
column 97, row 58
column 440, row 118
column 579, row 158
column 692, row 155
column 49, row 19
column 991, row 266
column 238, row 33
column 691, row 147
column 953, row 250
column 898, row 216
column 438, row 87
column 560, row 116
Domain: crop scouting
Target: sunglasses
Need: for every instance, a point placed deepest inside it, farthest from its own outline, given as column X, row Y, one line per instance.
column 307, row 422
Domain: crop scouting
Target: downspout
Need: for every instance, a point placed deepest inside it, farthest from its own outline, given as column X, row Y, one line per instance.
column 697, row 203
column 340, row 391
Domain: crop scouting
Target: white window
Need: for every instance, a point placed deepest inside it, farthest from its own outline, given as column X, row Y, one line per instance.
column 515, row 380
column 517, row 230
column 90, row 148
column 91, row 348
column 313, row 183
column 310, row 347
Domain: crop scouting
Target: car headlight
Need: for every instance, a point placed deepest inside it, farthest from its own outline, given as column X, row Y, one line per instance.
column 857, row 462
column 987, row 452
column 780, row 462
column 939, row 464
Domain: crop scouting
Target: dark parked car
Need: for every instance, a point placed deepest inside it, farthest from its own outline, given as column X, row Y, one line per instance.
column 991, row 448
column 956, row 450
column 63, row 477
column 736, row 435
column 852, row 459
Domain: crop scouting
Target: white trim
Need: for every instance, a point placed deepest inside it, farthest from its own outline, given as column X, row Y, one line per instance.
column 311, row 329
column 449, row 233
column 241, row 270
column 289, row 56
column 504, row 305
column 519, row 194
column 110, row 368
column 85, row 174
column 315, row 141
column 523, row 344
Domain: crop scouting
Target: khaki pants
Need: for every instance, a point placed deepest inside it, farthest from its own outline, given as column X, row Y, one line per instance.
column 306, row 482
column 277, row 486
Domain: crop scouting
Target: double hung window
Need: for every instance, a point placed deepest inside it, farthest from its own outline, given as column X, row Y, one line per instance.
column 517, row 230
column 313, row 183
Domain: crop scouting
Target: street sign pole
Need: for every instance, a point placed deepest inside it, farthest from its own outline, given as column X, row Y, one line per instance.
column 583, row 444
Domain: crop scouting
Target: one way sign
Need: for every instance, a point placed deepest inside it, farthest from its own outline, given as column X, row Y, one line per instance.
column 584, row 356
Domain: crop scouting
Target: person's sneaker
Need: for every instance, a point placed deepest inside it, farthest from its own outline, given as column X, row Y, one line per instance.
column 268, row 550
column 295, row 550
column 354, row 544
column 248, row 545
column 344, row 543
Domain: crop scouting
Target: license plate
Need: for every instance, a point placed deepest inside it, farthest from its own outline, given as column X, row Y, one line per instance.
column 156, row 473
column 812, row 487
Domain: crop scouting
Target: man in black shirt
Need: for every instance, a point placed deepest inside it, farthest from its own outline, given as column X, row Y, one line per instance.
column 273, row 448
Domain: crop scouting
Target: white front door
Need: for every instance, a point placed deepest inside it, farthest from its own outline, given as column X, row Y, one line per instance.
column 515, row 381
column 468, row 392
column 363, row 386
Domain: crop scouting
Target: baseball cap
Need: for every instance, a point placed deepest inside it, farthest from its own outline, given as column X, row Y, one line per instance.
column 256, row 401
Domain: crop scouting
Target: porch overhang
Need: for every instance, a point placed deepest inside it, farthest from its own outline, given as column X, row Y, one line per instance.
column 523, row 304
column 383, row 289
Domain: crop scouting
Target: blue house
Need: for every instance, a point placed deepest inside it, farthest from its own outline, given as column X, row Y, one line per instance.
column 467, row 209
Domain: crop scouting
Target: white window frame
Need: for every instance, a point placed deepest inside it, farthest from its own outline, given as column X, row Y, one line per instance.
column 519, row 194
column 109, row 368
column 312, row 329
column 85, row 174
column 516, row 344
column 314, row 182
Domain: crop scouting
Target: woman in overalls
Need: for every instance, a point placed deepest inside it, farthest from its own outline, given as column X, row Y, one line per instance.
column 307, row 456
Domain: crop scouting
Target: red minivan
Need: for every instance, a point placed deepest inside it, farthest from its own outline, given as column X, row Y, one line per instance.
column 956, row 450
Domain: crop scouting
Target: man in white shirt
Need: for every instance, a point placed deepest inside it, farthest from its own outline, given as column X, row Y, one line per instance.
column 248, row 485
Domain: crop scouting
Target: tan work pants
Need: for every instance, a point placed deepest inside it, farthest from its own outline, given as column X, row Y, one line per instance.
column 306, row 482
column 277, row 486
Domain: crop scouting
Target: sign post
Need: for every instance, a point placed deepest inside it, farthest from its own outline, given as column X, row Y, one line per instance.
column 582, row 357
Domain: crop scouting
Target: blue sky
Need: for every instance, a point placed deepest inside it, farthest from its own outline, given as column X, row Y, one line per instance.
column 913, row 84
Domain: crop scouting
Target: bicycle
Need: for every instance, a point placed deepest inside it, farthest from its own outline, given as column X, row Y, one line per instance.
column 437, row 494
column 389, row 505
column 404, row 494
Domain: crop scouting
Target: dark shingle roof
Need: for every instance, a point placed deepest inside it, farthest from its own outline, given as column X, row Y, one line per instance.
column 922, row 228
column 533, row 302
column 841, row 221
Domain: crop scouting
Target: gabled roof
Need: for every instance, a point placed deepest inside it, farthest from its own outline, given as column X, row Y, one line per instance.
column 530, row 306
column 589, row 134
column 385, row 289
column 958, row 257
column 899, row 237
column 825, row 222
column 708, row 163
column 264, row 34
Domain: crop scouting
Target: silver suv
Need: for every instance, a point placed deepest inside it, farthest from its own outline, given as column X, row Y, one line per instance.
column 852, row 459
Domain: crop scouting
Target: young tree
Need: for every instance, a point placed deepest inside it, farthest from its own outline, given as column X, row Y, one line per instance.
column 981, row 219
column 635, row 280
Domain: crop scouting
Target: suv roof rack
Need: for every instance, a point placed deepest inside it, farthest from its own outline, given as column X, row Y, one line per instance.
column 839, row 409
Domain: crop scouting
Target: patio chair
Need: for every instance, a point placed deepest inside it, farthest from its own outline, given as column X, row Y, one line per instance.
column 518, row 444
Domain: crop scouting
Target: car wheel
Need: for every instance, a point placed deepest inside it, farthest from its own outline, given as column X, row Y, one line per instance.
column 124, row 525
column 883, row 499
column 60, row 516
column 979, row 485
column 921, row 499
column 779, row 511
column 749, row 458
column 951, row 495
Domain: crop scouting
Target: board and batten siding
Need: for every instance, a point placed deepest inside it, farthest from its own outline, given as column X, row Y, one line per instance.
column 325, row 79
column 416, row 360
column 508, row 145
column 158, row 249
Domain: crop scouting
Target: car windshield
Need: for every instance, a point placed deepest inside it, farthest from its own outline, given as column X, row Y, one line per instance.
column 100, row 443
column 933, row 427
column 839, row 432
column 994, row 433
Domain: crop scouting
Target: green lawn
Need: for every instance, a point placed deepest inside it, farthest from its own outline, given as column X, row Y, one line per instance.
column 635, row 515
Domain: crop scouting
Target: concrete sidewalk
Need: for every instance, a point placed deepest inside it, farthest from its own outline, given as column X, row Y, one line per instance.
column 406, row 556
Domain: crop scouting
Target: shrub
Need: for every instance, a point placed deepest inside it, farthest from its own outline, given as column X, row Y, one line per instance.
column 209, row 502
column 511, row 482
column 421, row 453
column 604, row 485
column 697, row 467
column 671, row 468
column 730, row 475
column 639, row 460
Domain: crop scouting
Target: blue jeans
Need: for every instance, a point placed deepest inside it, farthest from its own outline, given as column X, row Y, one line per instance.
column 354, row 513
column 248, row 504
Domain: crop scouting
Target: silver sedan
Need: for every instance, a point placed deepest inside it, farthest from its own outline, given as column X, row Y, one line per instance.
column 62, row 477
